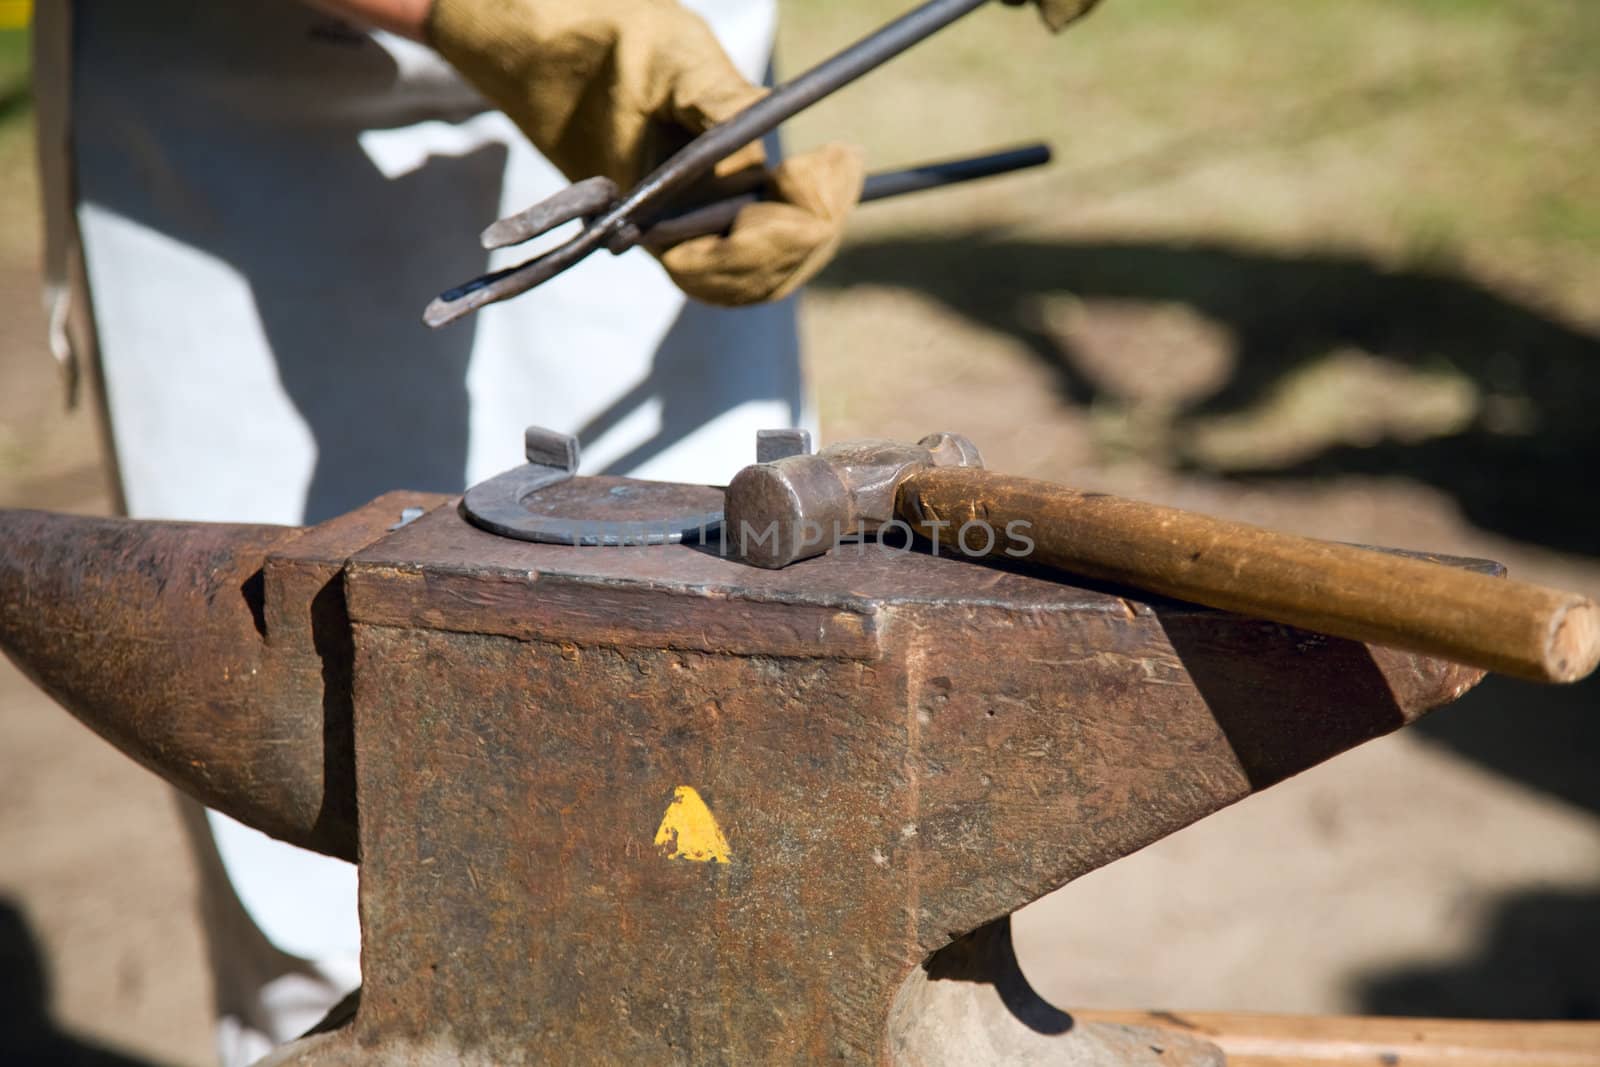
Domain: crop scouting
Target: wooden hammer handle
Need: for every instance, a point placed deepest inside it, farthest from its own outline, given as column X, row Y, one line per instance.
column 1512, row 627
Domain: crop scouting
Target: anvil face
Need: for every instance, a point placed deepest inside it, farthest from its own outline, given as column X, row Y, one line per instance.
column 653, row 805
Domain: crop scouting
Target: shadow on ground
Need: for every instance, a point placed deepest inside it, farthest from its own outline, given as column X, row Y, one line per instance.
column 1545, row 736
column 27, row 1033
column 1536, row 962
column 1282, row 311
column 1537, row 959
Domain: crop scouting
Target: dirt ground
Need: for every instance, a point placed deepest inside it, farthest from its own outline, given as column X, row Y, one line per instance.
column 1328, row 268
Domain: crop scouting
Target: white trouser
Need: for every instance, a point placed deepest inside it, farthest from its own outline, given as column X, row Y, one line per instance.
column 267, row 199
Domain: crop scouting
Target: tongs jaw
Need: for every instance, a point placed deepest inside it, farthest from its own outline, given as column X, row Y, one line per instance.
column 580, row 200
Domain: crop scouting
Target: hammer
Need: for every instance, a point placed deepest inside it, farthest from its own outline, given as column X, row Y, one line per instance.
column 798, row 505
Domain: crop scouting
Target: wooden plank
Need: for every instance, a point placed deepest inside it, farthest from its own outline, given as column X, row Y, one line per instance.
column 1251, row 1040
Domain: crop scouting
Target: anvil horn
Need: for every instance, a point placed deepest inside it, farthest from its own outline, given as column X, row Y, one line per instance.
column 216, row 655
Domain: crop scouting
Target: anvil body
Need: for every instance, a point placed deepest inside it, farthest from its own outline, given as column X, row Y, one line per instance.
column 650, row 804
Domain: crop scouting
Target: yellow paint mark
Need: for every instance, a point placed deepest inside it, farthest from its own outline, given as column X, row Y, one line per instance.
column 689, row 831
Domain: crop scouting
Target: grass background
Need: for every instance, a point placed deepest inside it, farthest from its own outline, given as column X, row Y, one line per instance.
column 1451, row 137
column 18, row 188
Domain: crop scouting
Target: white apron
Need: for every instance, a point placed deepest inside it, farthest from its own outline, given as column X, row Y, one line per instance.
column 266, row 200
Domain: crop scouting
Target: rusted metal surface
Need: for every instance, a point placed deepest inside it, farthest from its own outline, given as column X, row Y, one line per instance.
column 654, row 805
column 216, row 655
column 898, row 749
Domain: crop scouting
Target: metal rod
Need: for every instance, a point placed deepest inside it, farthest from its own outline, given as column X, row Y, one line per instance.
column 697, row 158
column 933, row 175
column 717, row 217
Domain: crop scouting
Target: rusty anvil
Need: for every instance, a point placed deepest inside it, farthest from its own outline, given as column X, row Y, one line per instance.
column 647, row 804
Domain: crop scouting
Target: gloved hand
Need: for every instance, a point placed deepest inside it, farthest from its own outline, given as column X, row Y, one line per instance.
column 1058, row 14
column 613, row 87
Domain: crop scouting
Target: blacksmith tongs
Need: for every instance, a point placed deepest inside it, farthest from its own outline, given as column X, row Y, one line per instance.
column 617, row 223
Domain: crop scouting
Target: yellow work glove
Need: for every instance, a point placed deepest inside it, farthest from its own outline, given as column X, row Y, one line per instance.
column 613, row 87
column 1058, row 14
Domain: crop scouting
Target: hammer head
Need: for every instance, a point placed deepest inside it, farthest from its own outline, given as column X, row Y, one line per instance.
column 801, row 505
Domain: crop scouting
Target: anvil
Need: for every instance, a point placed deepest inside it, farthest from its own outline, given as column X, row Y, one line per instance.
column 651, row 805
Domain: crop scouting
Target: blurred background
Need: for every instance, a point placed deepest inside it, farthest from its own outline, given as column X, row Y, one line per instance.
column 1331, row 267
